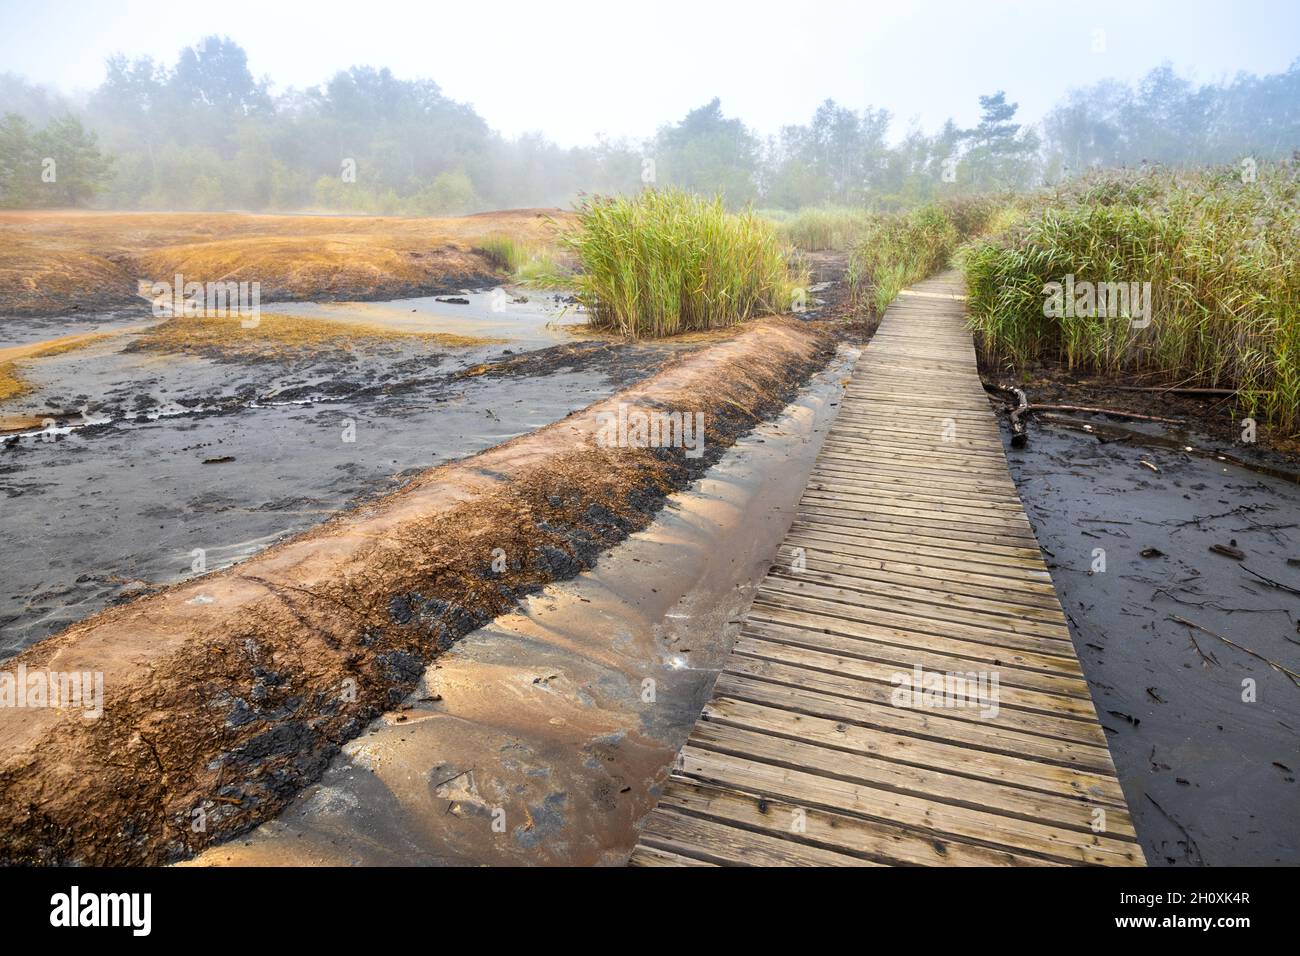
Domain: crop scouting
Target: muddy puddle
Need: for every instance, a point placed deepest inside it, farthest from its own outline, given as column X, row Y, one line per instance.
column 521, row 316
column 125, row 468
column 542, row 738
column 1205, row 735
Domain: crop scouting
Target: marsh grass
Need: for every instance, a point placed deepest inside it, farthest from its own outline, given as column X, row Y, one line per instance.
column 1220, row 255
column 895, row 250
column 825, row 228
column 526, row 261
column 665, row 262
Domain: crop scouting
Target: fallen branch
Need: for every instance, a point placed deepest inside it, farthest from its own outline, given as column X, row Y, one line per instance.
column 1019, row 437
column 1018, row 412
column 1019, row 434
column 1270, row 582
column 1098, row 411
column 1295, row 678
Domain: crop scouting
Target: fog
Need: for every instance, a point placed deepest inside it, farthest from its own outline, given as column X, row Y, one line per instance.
column 859, row 105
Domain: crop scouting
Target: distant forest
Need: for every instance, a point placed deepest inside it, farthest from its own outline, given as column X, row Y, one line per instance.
column 206, row 134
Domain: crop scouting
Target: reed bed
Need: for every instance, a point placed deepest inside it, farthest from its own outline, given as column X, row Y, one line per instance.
column 1219, row 253
column 524, row 260
column 665, row 262
column 826, row 228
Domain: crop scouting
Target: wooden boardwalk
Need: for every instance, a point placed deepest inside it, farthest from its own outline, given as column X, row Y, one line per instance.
column 910, row 551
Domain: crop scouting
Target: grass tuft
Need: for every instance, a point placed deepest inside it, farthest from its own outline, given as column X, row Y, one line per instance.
column 276, row 333
column 661, row 263
column 524, row 260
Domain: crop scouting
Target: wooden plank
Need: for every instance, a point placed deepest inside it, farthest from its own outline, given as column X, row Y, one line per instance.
column 984, row 828
column 871, row 839
column 1017, row 769
column 910, row 558
column 645, row 855
column 836, row 695
column 715, row 842
column 784, row 743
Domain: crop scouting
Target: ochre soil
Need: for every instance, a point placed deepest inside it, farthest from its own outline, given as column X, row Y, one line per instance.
column 229, row 692
column 54, row 262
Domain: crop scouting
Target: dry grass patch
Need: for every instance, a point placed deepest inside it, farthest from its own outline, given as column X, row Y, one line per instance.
column 277, row 332
column 12, row 384
column 54, row 261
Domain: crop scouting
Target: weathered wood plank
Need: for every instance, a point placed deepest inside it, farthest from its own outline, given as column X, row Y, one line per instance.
column 823, row 744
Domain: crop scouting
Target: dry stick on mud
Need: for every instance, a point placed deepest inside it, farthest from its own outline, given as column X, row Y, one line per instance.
column 1270, row 582
column 1295, row 678
column 1191, row 843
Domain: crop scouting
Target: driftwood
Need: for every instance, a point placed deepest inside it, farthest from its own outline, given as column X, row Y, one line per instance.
column 1019, row 437
column 1019, row 434
column 1099, row 411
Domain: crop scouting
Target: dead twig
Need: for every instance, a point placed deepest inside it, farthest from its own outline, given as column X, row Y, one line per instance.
column 454, row 776
column 1295, row 678
column 1270, row 582
column 1190, row 846
column 1206, row 659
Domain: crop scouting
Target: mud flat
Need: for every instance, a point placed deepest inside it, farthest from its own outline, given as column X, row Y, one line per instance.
column 557, row 722
column 228, row 693
column 1205, row 735
column 128, row 466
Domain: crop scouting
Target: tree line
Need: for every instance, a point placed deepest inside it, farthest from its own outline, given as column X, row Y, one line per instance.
column 205, row 133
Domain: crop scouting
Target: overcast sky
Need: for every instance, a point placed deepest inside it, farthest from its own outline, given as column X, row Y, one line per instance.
column 572, row 68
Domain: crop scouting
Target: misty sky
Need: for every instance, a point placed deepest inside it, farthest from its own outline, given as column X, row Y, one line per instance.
column 572, row 69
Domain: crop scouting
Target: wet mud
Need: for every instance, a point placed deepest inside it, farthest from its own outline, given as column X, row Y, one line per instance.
column 126, row 470
column 1180, row 578
column 543, row 737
